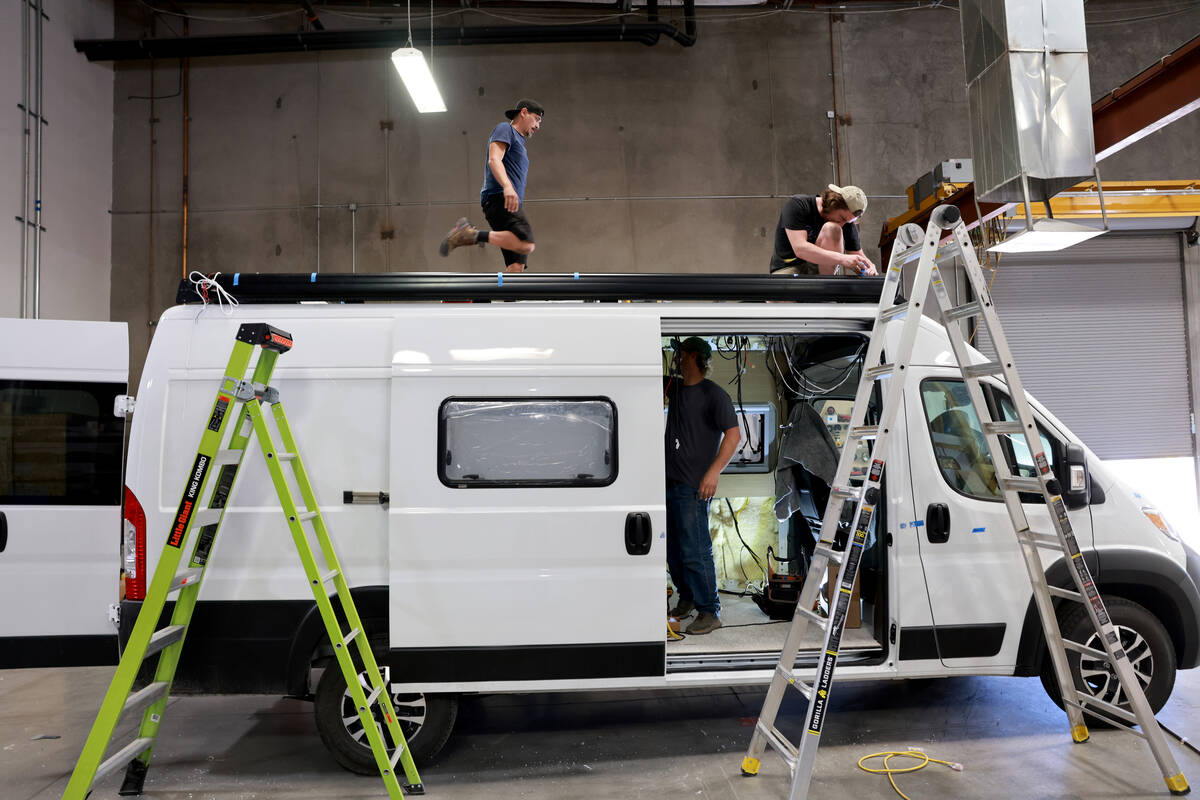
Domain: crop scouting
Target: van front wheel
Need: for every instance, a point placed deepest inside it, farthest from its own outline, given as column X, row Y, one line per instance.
column 1146, row 643
column 425, row 719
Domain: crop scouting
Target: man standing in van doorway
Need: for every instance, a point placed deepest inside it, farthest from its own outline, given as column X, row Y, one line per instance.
column 818, row 234
column 699, row 414
column 503, row 193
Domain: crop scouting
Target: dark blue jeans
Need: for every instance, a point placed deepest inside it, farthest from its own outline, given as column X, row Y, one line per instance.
column 689, row 548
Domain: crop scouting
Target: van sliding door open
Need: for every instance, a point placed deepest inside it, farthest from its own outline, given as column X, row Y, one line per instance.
column 526, row 523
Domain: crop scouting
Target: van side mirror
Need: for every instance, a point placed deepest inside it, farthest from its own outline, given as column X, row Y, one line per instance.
column 1077, row 484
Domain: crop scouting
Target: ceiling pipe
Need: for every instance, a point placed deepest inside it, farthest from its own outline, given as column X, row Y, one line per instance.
column 647, row 33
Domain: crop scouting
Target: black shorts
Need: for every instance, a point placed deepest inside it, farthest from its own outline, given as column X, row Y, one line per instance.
column 501, row 219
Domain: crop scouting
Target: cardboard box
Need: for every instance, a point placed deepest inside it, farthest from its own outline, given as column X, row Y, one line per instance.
column 854, row 614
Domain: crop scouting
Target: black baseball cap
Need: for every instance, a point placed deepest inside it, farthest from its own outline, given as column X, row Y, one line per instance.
column 533, row 105
column 694, row 344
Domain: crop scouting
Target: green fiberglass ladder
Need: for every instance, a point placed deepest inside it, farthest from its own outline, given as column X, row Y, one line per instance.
column 242, row 400
column 1138, row 718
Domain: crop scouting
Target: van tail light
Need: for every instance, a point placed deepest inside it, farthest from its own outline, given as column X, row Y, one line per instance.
column 133, row 548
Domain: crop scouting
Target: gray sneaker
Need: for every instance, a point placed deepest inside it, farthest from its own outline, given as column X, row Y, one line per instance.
column 461, row 235
column 684, row 608
column 705, row 623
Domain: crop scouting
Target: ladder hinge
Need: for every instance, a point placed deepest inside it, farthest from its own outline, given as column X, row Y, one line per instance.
column 243, row 390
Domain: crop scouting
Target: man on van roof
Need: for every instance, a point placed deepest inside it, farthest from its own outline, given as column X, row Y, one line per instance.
column 818, row 234
column 503, row 193
column 699, row 414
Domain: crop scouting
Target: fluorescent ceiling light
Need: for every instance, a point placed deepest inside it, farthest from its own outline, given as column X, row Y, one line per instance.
column 1046, row 235
column 410, row 63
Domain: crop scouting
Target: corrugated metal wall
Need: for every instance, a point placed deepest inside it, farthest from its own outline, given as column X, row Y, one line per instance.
column 1098, row 335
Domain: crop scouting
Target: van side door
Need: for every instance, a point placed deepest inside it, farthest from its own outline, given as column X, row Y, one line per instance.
column 60, row 490
column 527, row 517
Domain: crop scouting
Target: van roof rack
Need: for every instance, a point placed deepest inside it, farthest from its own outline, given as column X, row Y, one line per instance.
column 344, row 287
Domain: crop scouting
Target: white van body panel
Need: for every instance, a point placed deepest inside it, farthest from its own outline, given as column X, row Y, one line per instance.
column 60, row 571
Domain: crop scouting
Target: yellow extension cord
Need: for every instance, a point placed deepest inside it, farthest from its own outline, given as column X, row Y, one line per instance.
column 890, row 771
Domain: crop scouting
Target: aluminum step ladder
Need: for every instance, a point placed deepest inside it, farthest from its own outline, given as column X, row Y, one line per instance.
column 1139, row 719
column 238, row 399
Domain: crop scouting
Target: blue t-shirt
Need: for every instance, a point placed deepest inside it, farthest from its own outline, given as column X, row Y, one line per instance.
column 516, row 162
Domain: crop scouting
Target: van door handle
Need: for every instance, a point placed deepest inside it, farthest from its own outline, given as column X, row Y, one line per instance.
column 937, row 523
column 638, row 535
column 3, row 531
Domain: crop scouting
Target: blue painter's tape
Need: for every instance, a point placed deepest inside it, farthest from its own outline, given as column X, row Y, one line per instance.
column 903, row 525
column 312, row 277
column 918, row 523
column 576, row 276
column 499, row 278
column 236, row 277
column 978, row 530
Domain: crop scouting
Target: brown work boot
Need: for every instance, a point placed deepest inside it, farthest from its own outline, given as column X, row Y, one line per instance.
column 684, row 608
column 462, row 234
column 705, row 623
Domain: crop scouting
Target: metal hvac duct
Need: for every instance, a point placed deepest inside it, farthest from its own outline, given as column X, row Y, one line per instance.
column 1029, row 97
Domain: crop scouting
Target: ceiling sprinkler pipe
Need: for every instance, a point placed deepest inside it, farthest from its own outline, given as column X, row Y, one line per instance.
column 945, row 216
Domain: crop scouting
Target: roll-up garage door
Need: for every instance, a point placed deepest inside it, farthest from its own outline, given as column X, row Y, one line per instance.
column 1098, row 334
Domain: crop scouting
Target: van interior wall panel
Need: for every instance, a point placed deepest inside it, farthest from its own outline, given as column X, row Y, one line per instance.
column 650, row 159
column 1098, row 334
column 77, row 164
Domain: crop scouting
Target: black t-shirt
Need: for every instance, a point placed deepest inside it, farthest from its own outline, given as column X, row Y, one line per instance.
column 696, row 417
column 800, row 214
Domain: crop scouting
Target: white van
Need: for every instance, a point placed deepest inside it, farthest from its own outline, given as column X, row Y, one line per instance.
column 487, row 470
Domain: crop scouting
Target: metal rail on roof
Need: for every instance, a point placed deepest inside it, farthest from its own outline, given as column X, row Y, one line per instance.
column 393, row 286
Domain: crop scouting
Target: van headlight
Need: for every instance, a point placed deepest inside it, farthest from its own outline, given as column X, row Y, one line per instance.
column 1159, row 520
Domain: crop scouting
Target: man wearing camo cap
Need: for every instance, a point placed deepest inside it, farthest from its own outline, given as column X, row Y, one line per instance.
column 818, row 234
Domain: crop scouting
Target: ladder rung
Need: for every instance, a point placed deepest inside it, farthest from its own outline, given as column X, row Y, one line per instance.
column 209, row 516
column 800, row 685
column 396, row 756
column 287, row 456
column 1008, row 426
column 1041, row 540
column 898, row 310
column 164, row 637
column 812, row 616
column 1022, row 485
column 785, row 749
column 350, row 637
column 908, row 253
column 328, row 576
column 864, row 432
column 228, row 457
column 1083, row 700
column 979, row 370
column 828, row 552
column 965, row 311
column 374, row 696
column 844, row 492
column 146, row 697
column 881, row 371
column 186, row 578
column 1083, row 649
column 307, row 515
column 122, row 757
column 1065, row 594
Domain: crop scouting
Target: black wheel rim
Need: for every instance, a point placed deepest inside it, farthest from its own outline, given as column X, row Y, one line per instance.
column 1100, row 678
column 411, row 710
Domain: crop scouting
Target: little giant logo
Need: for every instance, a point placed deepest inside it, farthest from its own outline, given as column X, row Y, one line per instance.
column 188, row 504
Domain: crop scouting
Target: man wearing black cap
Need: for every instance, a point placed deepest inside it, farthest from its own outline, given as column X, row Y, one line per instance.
column 504, row 191
column 702, row 435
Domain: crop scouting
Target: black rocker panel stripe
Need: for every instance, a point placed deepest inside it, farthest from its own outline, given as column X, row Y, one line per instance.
column 527, row 663
column 952, row 641
column 37, row 652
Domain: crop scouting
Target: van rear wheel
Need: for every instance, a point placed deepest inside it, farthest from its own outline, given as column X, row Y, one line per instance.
column 425, row 719
column 1145, row 641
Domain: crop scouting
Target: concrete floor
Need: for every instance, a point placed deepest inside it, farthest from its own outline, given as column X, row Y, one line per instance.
column 680, row 744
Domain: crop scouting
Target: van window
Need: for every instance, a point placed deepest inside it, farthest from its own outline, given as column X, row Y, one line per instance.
column 60, row 443
column 1016, row 450
column 958, row 443
column 516, row 442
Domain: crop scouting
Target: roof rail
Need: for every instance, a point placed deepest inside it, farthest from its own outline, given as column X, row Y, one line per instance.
column 391, row 286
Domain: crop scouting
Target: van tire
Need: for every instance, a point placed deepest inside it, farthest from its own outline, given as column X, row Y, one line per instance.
column 1144, row 639
column 425, row 739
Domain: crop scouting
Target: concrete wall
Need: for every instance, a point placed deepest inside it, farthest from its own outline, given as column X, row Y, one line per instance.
column 649, row 159
column 76, row 274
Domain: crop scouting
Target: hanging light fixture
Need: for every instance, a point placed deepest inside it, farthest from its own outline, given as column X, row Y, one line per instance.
column 417, row 77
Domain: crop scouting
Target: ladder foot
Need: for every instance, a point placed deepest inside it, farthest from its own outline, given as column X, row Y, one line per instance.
column 413, row 788
column 1080, row 734
column 135, row 777
column 750, row 766
column 1178, row 784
